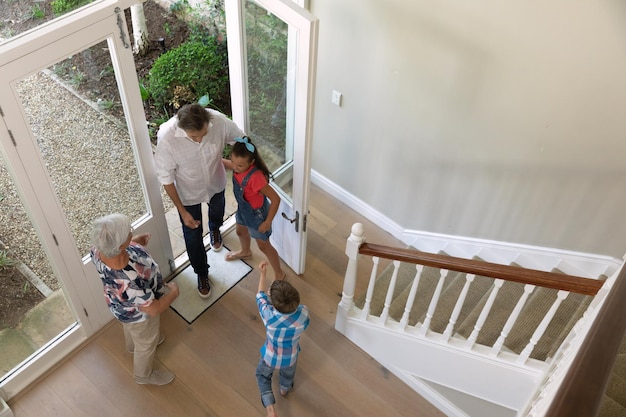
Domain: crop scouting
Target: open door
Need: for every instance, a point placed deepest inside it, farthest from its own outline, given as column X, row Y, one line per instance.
column 45, row 129
column 272, row 48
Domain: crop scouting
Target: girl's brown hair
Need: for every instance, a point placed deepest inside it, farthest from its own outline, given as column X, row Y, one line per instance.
column 241, row 148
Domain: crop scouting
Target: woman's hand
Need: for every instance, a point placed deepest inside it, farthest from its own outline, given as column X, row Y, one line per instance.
column 142, row 239
column 156, row 307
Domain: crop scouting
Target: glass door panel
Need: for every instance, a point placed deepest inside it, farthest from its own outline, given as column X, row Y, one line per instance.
column 272, row 51
column 86, row 149
column 33, row 307
column 75, row 154
column 266, row 45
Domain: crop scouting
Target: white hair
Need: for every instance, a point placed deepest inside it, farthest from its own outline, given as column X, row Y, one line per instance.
column 108, row 233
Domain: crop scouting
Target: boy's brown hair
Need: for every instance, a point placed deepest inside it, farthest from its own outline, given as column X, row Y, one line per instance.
column 284, row 297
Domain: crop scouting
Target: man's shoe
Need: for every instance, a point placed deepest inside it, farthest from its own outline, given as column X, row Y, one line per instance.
column 216, row 240
column 157, row 377
column 161, row 340
column 204, row 287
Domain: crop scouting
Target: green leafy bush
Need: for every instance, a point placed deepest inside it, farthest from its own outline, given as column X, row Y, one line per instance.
column 188, row 72
column 60, row 7
column 5, row 259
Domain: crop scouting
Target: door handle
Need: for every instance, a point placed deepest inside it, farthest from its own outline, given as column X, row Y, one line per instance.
column 294, row 220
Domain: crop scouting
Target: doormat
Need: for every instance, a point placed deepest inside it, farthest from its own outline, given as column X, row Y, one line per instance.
column 223, row 275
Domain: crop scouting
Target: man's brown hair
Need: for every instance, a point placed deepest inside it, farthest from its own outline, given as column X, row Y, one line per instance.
column 193, row 117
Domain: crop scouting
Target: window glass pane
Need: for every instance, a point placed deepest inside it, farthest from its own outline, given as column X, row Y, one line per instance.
column 33, row 308
column 84, row 143
column 266, row 43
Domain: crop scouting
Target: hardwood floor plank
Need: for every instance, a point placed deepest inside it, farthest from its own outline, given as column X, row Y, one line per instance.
column 195, row 372
column 79, row 393
column 312, row 393
column 215, row 357
column 370, row 371
column 41, row 400
column 19, row 411
column 113, row 382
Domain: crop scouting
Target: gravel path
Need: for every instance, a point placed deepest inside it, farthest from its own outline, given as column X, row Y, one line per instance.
column 90, row 161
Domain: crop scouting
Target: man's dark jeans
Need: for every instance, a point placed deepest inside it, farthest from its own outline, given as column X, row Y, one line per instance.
column 193, row 237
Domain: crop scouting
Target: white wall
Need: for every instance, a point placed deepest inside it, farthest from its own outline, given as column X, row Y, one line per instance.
column 495, row 120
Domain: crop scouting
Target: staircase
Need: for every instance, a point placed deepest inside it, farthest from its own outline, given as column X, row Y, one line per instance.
column 475, row 345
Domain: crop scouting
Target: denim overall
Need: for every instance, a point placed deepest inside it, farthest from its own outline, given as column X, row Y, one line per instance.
column 248, row 216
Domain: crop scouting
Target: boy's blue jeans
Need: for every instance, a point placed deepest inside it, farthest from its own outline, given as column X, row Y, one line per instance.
column 264, row 374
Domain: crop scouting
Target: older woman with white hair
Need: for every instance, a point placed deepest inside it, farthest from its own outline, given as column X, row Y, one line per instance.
column 133, row 290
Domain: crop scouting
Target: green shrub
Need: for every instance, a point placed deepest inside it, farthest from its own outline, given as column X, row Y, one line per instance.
column 60, row 7
column 5, row 259
column 36, row 12
column 188, row 72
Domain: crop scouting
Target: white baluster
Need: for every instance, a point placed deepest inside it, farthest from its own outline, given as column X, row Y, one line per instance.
column 469, row 278
column 409, row 301
column 433, row 302
column 356, row 239
column 528, row 289
column 497, row 284
column 523, row 357
column 370, row 288
column 390, row 290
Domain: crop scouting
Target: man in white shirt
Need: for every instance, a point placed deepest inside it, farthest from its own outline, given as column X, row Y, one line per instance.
column 189, row 165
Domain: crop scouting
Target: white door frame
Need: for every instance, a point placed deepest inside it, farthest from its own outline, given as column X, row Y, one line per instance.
column 27, row 54
column 289, row 239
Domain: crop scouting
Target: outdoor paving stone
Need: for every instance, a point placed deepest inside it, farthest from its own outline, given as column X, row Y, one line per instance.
column 46, row 320
column 15, row 346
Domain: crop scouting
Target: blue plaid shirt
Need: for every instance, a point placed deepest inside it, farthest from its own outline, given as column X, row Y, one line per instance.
column 282, row 332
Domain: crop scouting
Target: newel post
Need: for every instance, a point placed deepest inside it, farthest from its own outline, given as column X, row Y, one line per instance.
column 353, row 243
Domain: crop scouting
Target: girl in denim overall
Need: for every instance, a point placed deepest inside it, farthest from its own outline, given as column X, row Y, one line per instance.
column 254, row 213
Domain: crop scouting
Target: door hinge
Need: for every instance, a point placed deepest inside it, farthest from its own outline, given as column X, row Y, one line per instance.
column 85, row 310
column 12, row 138
column 55, row 240
column 1, row 112
column 304, row 222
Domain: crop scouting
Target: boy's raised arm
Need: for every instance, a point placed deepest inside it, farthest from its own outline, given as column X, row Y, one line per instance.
column 263, row 279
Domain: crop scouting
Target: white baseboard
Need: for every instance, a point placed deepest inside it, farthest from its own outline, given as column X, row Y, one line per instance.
column 358, row 205
column 591, row 265
column 5, row 411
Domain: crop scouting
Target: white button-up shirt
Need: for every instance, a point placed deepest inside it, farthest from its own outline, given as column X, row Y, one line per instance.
column 195, row 168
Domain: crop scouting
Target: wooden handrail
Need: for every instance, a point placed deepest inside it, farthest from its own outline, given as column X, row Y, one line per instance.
column 557, row 281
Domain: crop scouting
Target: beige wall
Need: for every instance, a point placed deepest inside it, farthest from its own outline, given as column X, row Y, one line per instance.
column 496, row 120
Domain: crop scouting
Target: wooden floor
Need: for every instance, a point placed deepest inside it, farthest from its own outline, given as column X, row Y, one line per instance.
column 215, row 357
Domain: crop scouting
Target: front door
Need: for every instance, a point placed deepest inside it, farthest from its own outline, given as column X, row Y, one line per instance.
column 71, row 161
column 272, row 54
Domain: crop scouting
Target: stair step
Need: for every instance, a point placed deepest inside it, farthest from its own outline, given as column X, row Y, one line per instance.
column 570, row 310
column 611, row 408
column 616, row 387
column 453, row 285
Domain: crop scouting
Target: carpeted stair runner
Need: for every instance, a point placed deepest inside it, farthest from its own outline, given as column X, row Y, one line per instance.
column 537, row 305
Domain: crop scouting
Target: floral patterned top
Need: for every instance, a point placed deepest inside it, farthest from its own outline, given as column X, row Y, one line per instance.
column 139, row 283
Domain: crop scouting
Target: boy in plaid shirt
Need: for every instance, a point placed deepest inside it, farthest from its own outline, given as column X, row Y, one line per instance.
column 285, row 319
